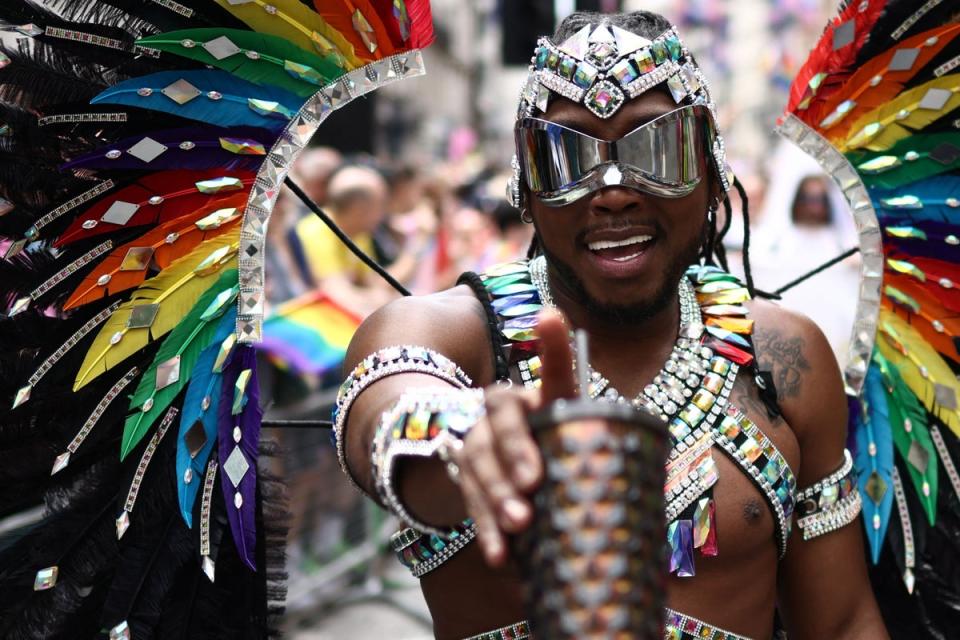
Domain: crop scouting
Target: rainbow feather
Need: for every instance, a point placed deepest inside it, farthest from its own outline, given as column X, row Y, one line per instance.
column 874, row 460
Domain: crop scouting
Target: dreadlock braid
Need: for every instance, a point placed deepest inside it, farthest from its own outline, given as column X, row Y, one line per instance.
column 745, row 210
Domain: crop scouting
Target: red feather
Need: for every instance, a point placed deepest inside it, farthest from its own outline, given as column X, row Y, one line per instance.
column 188, row 237
column 824, row 59
column 340, row 16
column 180, row 198
column 421, row 23
column 935, row 272
column 384, row 9
column 868, row 97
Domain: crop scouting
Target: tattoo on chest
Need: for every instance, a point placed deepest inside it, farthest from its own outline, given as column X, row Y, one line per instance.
column 783, row 357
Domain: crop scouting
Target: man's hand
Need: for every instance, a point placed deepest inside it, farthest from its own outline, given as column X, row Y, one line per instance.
column 500, row 463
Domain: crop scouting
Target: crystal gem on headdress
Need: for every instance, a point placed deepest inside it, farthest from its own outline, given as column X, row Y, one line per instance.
column 838, row 114
column 155, row 200
column 214, row 95
column 935, row 99
column 147, row 150
column 147, row 405
column 45, row 578
column 659, row 51
column 195, row 438
column 123, row 523
column 216, row 219
column 540, row 59
column 604, row 99
column 137, row 259
column 180, row 91
column 844, row 34
column 236, row 466
column 113, row 154
column 168, row 373
column 269, row 8
column 240, row 391
column 237, row 434
column 237, row 500
column 953, row 203
column 603, row 54
column 142, row 316
column 19, row 306
column 918, row 456
column 15, row 248
column 542, row 100
column 144, row 91
column 585, row 75
column 241, row 146
column 121, row 631
column 945, row 396
column 268, row 108
column 553, row 59
column 577, row 44
column 226, row 348
column 566, row 68
column 366, row 32
column 253, row 55
column 628, row 42
column 945, row 153
column 645, row 61
column 30, row 30
column 903, row 59
column 624, row 72
column 60, row 463
column 23, row 394
column 677, row 88
column 219, row 185
column 119, row 212
column 222, row 47
column 303, row 72
column 188, row 475
column 403, row 19
column 104, row 280
column 187, row 43
column 911, row 156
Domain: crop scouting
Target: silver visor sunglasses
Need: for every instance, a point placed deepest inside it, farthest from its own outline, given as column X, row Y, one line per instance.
column 663, row 157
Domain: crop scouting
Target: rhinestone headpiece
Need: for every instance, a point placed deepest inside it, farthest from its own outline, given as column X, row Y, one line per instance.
column 604, row 66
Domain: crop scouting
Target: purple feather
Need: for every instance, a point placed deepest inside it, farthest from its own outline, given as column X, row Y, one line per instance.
column 242, row 519
column 206, row 151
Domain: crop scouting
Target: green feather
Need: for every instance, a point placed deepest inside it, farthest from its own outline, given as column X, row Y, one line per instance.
column 906, row 412
column 191, row 336
column 907, row 161
column 278, row 62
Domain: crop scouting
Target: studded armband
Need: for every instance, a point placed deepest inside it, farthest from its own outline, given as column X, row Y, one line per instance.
column 831, row 503
column 425, row 423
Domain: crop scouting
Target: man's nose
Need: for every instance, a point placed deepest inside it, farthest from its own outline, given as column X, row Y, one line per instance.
column 616, row 200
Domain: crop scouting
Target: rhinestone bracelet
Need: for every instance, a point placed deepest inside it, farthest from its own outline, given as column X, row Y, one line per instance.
column 420, row 424
column 382, row 364
column 831, row 503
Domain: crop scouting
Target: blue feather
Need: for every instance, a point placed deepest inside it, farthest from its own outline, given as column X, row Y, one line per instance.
column 231, row 110
column 931, row 194
column 875, row 430
column 204, row 383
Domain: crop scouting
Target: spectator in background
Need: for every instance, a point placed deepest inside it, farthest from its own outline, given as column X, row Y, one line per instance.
column 811, row 205
column 515, row 235
column 312, row 172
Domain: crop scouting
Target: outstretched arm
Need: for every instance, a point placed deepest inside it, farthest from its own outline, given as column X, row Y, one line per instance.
column 824, row 588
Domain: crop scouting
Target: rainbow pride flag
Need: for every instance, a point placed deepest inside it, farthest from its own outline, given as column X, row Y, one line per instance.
column 309, row 334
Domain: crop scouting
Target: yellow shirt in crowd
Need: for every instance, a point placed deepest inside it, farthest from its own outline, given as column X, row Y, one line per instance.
column 326, row 255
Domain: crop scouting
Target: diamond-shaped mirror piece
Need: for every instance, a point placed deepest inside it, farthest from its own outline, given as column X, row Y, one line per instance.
column 30, row 30
column 918, row 456
column 19, row 306
column 60, row 463
column 935, row 99
column 119, row 212
column 137, row 259
column 213, row 262
column 844, row 34
column 304, row 72
column 366, row 32
column 876, row 487
column 219, row 185
column 180, row 91
column 903, row 59
column 195, row 438
column 45, row 578
column 23, row 394
column 268, row 108
column 209, row 568
column 236, row 466
column 945, row 396
column 219, row 304
column 221, row 47
column 123, row 523
column 945, row 153
column 147, row 150
column 142, row 316
column 168, row 372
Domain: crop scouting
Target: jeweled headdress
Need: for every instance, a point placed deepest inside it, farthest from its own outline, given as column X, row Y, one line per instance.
column 603, row 66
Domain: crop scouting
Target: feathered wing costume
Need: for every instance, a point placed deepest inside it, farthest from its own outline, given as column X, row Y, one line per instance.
column 142, row 147
column 878, row 105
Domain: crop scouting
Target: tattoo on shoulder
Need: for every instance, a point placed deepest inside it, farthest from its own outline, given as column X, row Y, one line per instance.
column 783, row 357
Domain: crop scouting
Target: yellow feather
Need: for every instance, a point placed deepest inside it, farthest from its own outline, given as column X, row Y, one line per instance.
column 920, row 366
column 175, row 290
column 883, row 127
column 296, row 22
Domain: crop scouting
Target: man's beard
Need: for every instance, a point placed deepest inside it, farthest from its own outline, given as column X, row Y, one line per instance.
column 629, row 314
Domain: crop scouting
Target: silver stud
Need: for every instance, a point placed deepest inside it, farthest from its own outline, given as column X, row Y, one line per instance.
column 155, row 200
column 117, row 337
column 186, row 145
column 214, row 95
column 103, row 280
column 144, row 91
column 113, row 154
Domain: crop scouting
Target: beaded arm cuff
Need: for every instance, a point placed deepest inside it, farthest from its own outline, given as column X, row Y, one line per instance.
column 379, row 365
column 423, row 423
column 831, row 503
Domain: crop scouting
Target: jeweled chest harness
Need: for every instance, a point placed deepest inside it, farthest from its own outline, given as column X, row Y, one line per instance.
column 690, row 394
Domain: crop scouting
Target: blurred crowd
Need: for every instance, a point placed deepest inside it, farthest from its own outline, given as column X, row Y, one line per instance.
column 425, row 225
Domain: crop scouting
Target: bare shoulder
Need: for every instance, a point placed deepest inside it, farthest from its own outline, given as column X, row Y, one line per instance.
column 807, row 377
column 452, row 322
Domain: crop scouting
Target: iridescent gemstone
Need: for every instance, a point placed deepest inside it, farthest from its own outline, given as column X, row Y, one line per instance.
column 187, row 43
column 567, row 67
column 704, row 399
column 89, row 224
column 214, row 95
column 147, row 405
column 113, row 154
column 660, row 53
column 750, row 450
column 116, row 337
column 155, row 200
column 953, row 203
column 144, row 91
column 911, row 156
column 624, row 72
column 585, row 75
column 104, row 280
column 188, row 476
column 541, row 59
column 187, row 145
column 673, row 48
column 553, row 59
column 45, row 579
column 645, row 62
column 253, row 55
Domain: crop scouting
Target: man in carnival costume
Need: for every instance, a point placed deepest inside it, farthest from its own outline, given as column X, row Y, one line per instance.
column 622, row 172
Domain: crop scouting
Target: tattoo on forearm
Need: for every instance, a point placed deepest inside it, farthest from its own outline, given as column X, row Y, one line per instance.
column 783, row 357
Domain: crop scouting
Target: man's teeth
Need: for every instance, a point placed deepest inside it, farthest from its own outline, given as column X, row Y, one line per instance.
column 612, row 244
